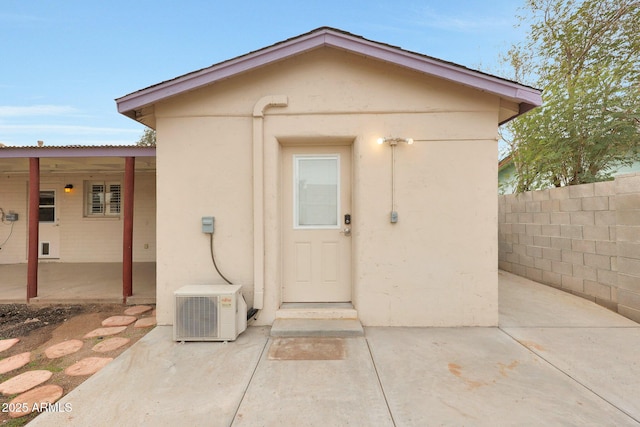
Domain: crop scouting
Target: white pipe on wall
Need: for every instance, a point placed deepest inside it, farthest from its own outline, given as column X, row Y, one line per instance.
column 258, row 193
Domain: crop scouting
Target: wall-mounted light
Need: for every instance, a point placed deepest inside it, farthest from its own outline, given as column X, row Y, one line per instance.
column 394, row 141
column 68, row 188
column 393, row 217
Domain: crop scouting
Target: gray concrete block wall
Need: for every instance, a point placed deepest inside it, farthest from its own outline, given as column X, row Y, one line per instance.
column 583, row 239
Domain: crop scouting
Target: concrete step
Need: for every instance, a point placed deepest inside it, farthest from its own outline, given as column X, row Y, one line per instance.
column 342, row 310
column 340, row 328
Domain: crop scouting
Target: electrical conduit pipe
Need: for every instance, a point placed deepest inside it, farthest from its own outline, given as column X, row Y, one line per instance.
column 258, row 193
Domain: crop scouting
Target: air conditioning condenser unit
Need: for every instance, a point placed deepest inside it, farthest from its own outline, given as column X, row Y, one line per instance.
column 209, row 313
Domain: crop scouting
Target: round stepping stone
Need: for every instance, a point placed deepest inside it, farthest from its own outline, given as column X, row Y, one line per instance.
column 145, row 322
column 8, row 343
column 39, row 397
column 64, row 348
column 110, row 344
column 137, row 310
column 25, row 381
column 87, row 366
column 101, row 332
column 14, row 362
column 118, row 321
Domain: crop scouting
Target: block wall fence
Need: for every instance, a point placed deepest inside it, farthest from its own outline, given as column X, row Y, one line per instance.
column 584, row 239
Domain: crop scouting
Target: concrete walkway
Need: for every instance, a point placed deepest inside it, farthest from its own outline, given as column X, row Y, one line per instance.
column 556, row 359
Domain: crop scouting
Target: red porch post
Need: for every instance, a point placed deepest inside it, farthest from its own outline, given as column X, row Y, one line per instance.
column 34, row 218
column 127, row 238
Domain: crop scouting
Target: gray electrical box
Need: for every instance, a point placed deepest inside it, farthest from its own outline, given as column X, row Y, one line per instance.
column 394, row 217
column 11, row 216
column 207, row 224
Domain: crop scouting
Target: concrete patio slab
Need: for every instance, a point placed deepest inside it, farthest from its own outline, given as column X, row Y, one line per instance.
column 555, row 360
column 523, row 302
column 605, row 360
column 343, row 392
column 479, row 377
column 159, row 382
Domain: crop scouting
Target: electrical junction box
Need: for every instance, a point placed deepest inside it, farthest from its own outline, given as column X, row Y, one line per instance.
column 11, row 216
column 207, row 224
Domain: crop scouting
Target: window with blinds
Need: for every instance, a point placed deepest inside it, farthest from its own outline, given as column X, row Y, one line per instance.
column 102, row 198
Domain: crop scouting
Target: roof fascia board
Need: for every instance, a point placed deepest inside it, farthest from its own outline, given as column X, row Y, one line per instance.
column 455, row 73
column 218, row 72
column 452, row 72
column 57, row 152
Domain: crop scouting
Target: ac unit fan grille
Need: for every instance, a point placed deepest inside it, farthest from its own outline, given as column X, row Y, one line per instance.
column 196, row 317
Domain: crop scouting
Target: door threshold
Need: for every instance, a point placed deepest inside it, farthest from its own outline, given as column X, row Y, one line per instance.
column 317, row 310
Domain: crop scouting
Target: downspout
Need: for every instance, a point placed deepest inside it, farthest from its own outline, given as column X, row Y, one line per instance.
column 258, row 193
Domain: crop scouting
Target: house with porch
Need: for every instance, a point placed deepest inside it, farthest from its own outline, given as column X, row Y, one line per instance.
column 332, row 168
column 77, row 223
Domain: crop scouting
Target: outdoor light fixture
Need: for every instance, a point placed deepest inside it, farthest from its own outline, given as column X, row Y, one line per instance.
column 393, row 217
column 394, row 141
column 68, row 188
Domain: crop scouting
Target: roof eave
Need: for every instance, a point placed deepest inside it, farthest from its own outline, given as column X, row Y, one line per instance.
column 526, row 97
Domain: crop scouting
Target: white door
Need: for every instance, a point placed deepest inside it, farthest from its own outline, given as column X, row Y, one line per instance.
column 49, row 230
column 316, row 224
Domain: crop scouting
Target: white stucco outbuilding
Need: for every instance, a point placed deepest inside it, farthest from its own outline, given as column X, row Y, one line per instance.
column 338, row 169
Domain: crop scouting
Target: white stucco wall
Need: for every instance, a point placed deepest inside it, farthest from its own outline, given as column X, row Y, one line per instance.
column 82, row 239
column 436, row 267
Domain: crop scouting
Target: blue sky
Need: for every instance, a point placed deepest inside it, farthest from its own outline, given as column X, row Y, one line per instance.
column 62, row 63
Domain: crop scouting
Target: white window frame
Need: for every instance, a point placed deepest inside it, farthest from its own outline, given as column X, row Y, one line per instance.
column 107, row 207
column 296, row 220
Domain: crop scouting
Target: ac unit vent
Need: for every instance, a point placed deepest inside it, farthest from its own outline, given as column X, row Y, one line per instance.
column 209, row 313
column 197, row 317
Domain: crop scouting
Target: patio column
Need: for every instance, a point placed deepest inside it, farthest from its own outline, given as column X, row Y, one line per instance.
column 127, row 238
column 34, row 219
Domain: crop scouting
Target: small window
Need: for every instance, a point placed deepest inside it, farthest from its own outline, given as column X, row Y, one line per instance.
column 47, row 206
column 102, row 198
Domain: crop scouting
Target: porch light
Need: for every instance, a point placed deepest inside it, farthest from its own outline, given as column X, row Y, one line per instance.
column 68, row 188
column 393, row 217
column 394, row 141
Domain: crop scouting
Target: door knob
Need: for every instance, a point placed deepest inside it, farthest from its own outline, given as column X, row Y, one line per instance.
column 346, row 231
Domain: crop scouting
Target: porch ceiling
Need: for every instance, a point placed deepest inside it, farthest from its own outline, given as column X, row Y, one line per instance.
column 76, row 159
column 76, row 165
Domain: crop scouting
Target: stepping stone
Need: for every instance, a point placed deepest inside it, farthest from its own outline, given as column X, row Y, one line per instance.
column 110, row 344
column 101, row 332
column 87, row 366
column 8, row 343
column 14, row 362
column 118, row 321
column 25, row 381
column 39, row 397
column 137, row 310
column 64, row 348
column 145, row 322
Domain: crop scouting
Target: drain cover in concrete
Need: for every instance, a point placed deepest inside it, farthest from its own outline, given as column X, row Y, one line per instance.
column 137, row 309
column 14, row 362
column 102, row 332
column 110, row 344
column 145, row 322
column 118, row 321
column 39, row 397
column 23, row 382
column 87, row 366
column 307, row 348
column 62, row 349
column 8, row 343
